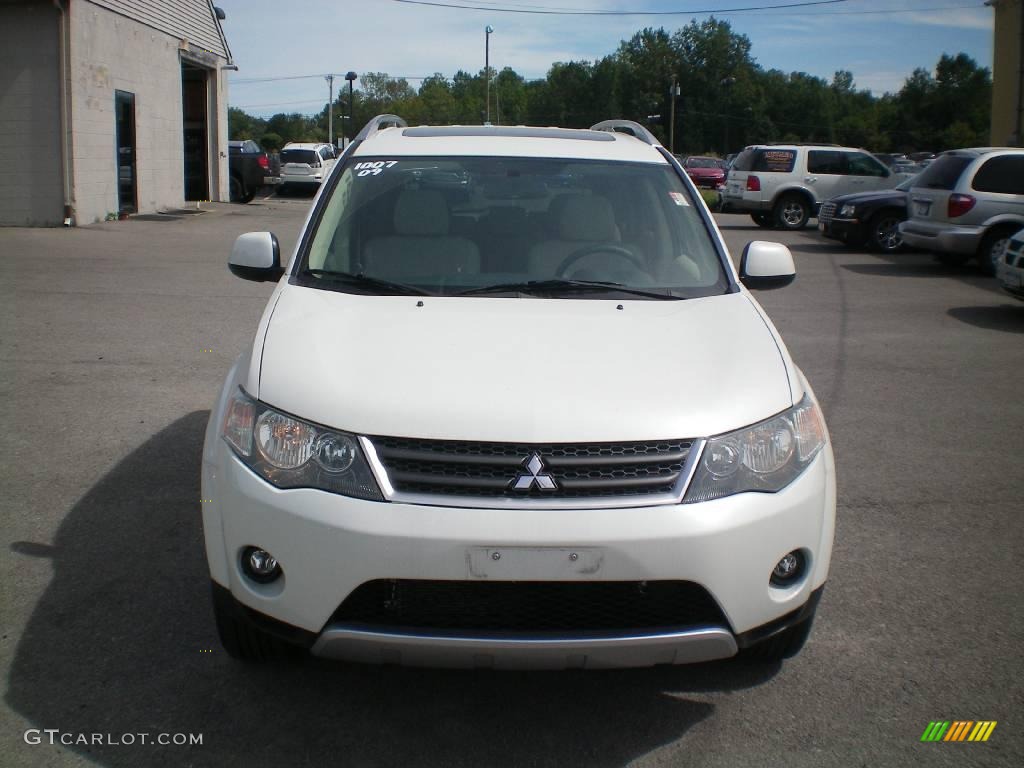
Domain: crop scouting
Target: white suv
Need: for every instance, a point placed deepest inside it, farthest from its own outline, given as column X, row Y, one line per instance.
column 511, row 405
column 305, row 165
column 783, row 185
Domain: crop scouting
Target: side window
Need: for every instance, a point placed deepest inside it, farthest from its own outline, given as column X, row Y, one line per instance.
column 826, row 162
column 1003, row 175
column 324, row 153
column 861, row 164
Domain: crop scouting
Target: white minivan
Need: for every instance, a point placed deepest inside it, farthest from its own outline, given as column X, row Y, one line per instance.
column 510, row 405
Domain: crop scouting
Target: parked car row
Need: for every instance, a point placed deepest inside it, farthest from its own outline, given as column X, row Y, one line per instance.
column 964, row 204
column 301, row 165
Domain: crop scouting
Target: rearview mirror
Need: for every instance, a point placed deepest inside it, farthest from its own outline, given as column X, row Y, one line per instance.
column 256, row 256
column 765, row 265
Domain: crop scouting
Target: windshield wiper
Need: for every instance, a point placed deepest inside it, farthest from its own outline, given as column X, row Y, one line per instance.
column 364, row 281
column 558, row 285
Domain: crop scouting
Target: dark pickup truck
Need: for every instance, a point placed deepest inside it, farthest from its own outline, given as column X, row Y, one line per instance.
column 249, row 167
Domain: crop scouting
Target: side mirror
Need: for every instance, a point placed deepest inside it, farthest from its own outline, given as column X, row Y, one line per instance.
column 256, row 256
column 766, row 265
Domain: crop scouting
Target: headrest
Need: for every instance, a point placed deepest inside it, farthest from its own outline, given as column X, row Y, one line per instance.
column 588, row 218
column 421, row 212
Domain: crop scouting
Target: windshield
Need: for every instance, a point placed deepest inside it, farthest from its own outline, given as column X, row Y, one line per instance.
column 512, row 226
column 702, row 162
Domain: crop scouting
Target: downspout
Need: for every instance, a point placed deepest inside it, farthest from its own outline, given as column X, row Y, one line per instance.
column 64, row 55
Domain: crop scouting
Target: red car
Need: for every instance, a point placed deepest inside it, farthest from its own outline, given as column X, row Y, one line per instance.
column 705, row 171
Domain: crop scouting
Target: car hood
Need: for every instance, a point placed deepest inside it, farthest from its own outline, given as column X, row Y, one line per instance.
column 521, row 369
column 706, row 171
column 895, row 197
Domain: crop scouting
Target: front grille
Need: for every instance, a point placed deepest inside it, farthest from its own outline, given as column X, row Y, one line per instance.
column 828, row 210
column 584, row 470
column 521, row 606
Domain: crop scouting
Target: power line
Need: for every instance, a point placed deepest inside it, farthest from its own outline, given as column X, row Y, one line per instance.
column 273, row 79
column 752, row 11
column 552, row 12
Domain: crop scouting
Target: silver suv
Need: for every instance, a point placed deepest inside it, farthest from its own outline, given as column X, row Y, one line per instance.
column 783, row 185
column 968, row 202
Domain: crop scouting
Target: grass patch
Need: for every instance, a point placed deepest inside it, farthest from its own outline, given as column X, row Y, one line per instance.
column 711, row 197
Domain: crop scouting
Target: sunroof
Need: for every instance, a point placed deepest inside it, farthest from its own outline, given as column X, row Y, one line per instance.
column 510, row 131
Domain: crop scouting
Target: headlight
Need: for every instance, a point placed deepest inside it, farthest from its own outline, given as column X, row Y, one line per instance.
column 290, row 453
column 764, row 457
column 848, row 210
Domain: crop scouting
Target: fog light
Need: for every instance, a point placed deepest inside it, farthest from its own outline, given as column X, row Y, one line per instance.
column 259, row 565
column 788, row 569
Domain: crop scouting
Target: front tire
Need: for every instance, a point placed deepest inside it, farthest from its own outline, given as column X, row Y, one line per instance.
column 792, row 212
column 884, row 232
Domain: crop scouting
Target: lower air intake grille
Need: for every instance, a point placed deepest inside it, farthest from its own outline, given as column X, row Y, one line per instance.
column 518, row 606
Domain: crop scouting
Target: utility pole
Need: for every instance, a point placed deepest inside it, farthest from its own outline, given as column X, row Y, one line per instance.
column 351, row 77
column 330, row 109
column 487, row 68
column 674, row 93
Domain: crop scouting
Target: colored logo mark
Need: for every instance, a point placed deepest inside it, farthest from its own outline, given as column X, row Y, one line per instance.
column 958, row 730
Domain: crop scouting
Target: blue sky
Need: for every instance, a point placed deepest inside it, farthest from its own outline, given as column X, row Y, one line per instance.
column 270, row 38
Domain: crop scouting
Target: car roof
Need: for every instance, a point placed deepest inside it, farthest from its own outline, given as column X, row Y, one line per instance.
column 509, row 141
column 983, row 150
column 305, row 145
column 800, row 145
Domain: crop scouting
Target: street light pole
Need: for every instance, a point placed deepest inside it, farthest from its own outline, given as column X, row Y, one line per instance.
column 330, row 109
column 351, row 77
column 487, row 67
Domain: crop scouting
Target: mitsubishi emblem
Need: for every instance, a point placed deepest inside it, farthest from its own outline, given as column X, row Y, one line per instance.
column 534, row 474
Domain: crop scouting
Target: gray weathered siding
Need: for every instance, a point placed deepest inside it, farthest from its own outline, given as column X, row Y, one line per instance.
column 31, row 184
column 192, row 20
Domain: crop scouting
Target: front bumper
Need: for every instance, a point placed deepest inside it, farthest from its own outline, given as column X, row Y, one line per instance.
column 328, row 545
column 847, row 230
column 942, row 238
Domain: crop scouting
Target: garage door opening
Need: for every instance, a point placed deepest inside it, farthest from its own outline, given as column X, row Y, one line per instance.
column 195, row 100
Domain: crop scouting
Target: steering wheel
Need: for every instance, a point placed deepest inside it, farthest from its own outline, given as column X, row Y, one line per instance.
column 623, row 253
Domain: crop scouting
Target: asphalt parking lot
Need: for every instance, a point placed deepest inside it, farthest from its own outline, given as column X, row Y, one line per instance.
column 116, row 339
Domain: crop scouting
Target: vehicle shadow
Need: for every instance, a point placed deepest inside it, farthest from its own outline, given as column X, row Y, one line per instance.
column 1005, row 317
column 123, row 642
column 924, row 265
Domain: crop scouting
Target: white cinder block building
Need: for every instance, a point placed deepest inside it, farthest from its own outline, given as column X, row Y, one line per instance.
column 110, row 106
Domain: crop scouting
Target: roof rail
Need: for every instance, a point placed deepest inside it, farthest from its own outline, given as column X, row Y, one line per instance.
column 630, row 127
column 379, row 123
column 799, row 144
